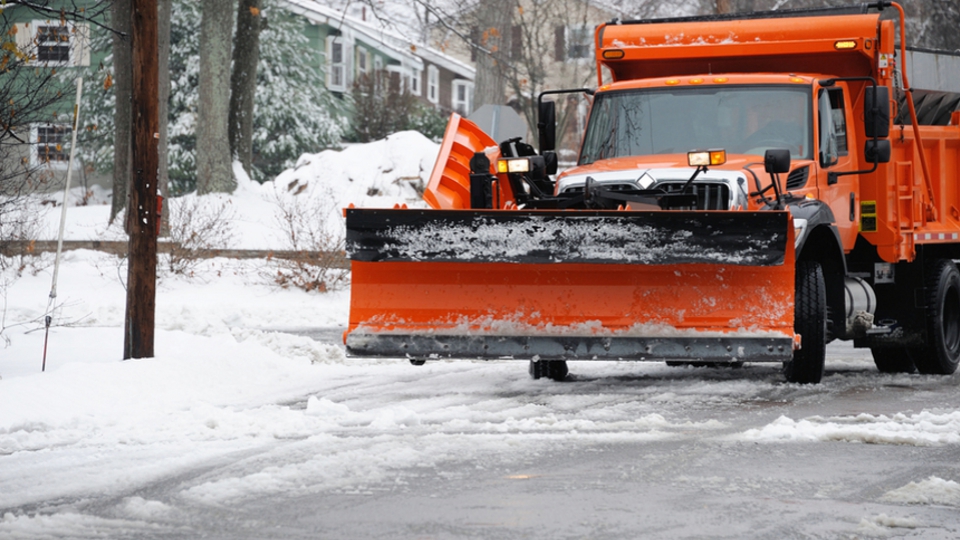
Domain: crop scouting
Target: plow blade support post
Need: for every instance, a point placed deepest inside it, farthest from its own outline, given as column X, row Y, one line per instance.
column 714, row 286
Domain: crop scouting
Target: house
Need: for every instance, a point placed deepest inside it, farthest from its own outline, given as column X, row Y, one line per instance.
column 549, row 45
column 38, row 52
column 350, row 47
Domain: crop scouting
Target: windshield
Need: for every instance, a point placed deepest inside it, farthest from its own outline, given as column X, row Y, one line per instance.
column 739, row 119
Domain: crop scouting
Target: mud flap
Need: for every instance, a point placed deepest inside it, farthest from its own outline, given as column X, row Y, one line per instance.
column 711, row 286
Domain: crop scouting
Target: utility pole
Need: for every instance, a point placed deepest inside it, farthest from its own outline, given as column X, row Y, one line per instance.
column 142, row 250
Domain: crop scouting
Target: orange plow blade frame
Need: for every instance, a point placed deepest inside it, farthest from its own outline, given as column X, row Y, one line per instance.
column 438, row 307
column 458, row 283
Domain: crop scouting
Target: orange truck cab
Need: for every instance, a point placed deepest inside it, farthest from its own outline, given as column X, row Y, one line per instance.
column 749, row 187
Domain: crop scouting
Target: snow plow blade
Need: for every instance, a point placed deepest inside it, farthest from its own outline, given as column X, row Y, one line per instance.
column 571, row 285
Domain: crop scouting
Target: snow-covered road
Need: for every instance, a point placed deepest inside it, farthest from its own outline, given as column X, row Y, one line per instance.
column 352, row 449
column 250, row 422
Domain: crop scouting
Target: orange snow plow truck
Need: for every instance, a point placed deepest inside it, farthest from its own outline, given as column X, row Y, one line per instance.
column 748, row 188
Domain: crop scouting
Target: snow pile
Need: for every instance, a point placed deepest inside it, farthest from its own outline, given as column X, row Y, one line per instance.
column 922, row 429
column 380, row 174
column 933, row 490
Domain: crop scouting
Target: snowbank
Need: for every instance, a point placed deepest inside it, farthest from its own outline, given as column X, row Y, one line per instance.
column 922, row 429
column 380, row 174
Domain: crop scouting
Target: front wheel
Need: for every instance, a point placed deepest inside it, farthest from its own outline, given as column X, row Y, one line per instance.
column 940, row 355
column 810, row 321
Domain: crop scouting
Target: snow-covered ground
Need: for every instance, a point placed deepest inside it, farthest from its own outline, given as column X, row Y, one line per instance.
column 242, row 426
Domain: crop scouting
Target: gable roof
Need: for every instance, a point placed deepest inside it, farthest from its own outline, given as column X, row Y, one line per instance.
column 403, row 50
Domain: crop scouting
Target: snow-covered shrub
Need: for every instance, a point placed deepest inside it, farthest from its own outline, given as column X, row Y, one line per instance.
column 20, row 222
column 198, row 225
column 429, row 121
column 382, row 107
column 314, row 250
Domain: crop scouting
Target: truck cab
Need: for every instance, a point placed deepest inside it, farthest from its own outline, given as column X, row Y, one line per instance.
column 639, row 134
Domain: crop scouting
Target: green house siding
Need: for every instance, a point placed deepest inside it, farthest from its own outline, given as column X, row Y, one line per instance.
column 40, row 94
column 317, row 38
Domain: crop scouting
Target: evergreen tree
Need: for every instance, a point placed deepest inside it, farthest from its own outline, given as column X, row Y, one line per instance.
column 294, row 113
column 293, row 110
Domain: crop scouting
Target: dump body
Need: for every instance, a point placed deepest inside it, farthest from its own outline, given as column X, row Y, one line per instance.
column 747, row 189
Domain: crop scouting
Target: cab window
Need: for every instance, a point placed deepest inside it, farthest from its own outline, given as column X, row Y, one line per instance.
column 833, row 126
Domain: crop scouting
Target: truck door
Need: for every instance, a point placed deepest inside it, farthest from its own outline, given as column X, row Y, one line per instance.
column 834, row 156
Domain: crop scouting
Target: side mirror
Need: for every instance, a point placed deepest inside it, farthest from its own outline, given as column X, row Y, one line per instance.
column 876, row 111
column 877, row 151
column 547, row 125
column 776, row 160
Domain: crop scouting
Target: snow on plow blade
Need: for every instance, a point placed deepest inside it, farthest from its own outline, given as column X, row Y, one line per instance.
column 710, row 286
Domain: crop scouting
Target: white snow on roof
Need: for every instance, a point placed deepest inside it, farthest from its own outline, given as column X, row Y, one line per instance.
column 393, row 43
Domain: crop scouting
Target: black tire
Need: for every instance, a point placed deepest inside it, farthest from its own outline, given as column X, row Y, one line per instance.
column 810, row 321
column 555, row 370
column 941, row 354
column 893, row 360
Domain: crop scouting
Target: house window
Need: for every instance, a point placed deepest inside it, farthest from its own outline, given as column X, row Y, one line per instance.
column 377, row 63
column 336, row 70
column 51, row 145
column 52, row 43
column 572, row 42
column 463, row 97
column 415, row 81
column 362, row 60
column 433, row 84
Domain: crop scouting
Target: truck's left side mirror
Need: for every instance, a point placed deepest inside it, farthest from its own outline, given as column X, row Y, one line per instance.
column 547, row 124
column 876, row 112
column 776, row 161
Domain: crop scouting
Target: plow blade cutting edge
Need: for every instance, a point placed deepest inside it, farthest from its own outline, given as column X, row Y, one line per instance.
column 705, row 286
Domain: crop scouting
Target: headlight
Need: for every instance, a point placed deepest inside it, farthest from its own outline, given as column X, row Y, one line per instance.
column 513, row 165
column 706, row 158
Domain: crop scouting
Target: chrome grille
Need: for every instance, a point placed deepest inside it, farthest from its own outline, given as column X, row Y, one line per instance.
column 709, row 196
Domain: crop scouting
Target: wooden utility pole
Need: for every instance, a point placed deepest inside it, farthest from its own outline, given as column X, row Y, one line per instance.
column 142, row 253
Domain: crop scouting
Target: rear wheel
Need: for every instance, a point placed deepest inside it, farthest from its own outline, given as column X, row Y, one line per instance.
column 892, row 360
column 552, row 369
column 941, row 354
column 810, row 321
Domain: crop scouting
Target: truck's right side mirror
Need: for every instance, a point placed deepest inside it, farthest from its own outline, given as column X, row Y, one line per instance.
column 877, row 151
column 547, row 124
column 876, row 111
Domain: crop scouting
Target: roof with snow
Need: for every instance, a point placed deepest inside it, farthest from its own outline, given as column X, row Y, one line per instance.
column 400, row 48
